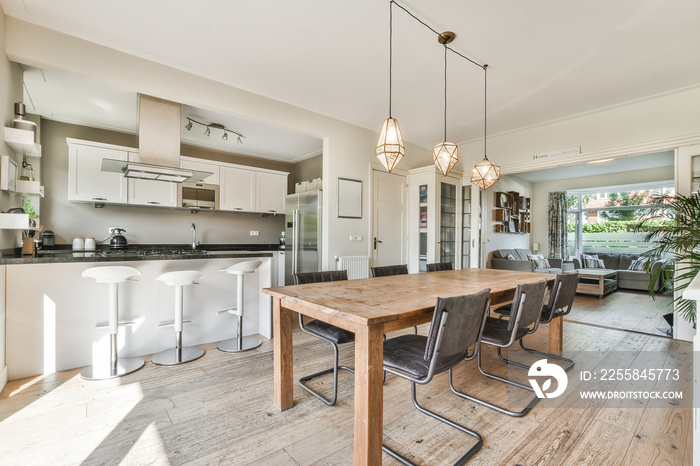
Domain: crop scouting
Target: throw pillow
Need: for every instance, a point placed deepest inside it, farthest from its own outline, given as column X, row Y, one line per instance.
column 510, row 257
column 539, row 260
column 592, row 262
column 638, row 264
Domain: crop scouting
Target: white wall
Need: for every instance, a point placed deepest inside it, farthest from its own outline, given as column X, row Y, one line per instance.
column 504, row 240
column 541, row 190
column 347, row 150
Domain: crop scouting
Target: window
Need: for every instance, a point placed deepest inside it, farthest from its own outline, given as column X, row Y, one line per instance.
column 605, row 218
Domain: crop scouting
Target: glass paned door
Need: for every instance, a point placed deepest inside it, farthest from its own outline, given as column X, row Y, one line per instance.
column 448, row 222
column 466, row 226
column 423, row 228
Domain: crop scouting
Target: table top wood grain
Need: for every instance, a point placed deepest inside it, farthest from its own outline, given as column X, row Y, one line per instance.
column 383, row 299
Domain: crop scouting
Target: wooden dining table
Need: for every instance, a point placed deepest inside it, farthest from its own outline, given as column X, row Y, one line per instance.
column 371, row 308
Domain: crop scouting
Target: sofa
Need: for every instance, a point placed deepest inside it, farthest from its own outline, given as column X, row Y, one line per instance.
column 620, row 262
column 519, row 261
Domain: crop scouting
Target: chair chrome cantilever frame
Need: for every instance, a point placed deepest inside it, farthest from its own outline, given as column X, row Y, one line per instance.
column 561, row 300
column 457, row 325
column 326, row 332
column 525, row 309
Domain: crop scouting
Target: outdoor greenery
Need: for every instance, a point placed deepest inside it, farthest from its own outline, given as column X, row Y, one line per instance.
column 680, row 240
column 625, row 226
column 631, row 198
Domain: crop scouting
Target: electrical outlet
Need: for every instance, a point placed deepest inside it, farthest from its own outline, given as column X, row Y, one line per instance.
column 254, row 233
column 355, row 238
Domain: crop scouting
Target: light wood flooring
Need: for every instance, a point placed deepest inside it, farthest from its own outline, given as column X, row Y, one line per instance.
column 623, row 310
column 219, row 410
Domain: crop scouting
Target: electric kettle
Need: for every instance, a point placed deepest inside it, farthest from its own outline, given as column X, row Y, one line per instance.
column 118, row 240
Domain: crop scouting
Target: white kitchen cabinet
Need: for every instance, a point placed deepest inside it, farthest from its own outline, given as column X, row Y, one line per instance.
column 86, row 180
column 270, row 191
column 237, row 189
column 150, row 192
column 205, row 166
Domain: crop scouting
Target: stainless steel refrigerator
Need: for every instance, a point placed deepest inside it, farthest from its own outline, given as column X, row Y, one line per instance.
column 303, row 233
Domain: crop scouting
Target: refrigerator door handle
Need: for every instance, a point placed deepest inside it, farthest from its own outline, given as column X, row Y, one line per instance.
column 295, row 240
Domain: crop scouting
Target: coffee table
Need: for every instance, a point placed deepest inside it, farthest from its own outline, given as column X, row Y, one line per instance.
column 599, row 282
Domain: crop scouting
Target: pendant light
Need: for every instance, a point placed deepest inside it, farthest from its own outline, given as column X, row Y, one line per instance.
column 445, row 154
column 390, row 148
column 485, row 173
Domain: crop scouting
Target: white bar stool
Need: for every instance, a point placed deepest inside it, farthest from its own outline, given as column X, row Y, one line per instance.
column 240, row 343
column 178, row 355
column 112, row 275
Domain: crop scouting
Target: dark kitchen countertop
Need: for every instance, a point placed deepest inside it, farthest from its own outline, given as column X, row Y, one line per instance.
column 138, row 252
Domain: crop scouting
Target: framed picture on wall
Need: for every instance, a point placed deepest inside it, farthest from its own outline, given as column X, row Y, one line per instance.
column 349, row 198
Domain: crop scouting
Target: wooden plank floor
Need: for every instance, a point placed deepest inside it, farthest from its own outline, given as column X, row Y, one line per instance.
column 623, row 310
column 219, row 410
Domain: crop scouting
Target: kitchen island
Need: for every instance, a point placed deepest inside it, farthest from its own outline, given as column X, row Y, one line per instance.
column 55, row 318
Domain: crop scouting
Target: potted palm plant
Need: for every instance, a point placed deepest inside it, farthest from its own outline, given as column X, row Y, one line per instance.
column 679, row 242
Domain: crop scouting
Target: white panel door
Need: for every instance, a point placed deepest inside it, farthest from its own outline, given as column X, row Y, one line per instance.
column 389, row 242
column 150, row 192
column 270, row 190
column 87, row 181
column 237, row 189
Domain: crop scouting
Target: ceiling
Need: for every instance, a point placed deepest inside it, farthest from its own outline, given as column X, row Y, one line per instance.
column 547, row 59
column 618, row 165
column 72, row 99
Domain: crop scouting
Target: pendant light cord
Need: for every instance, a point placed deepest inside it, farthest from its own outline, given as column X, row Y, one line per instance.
column 485, row 67
column 435, row 32
column 391, row 33
column 445, row 127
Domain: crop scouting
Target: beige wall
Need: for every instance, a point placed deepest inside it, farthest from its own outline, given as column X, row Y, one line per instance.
column 347, row 149
column 144, row 225
column 504, row 240
column 541, row 190
column 308, row 169
column 10, row 92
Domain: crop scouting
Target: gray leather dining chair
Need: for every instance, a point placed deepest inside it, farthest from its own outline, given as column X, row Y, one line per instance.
column 387, row 270
column 561, row 300
column 438, row 266
column 457, row 325
column 326, row 332
column 525, row 313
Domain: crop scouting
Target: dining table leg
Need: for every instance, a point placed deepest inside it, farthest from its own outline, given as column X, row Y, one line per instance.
column 556, row 334
column 282, row 355
column 369, row 396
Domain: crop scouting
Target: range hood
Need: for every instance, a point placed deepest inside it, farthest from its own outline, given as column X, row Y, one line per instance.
column 159, row 146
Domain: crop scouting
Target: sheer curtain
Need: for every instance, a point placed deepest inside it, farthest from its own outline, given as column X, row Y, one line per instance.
column 557, row 225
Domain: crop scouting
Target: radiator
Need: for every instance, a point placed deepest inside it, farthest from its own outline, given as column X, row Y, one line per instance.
column 357, row 266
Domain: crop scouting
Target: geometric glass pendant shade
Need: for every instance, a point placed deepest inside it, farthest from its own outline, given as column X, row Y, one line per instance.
column 485, row 173
column 445, row 156
column 390, row 147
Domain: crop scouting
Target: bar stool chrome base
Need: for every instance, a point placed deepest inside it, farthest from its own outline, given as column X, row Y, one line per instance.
column 123, row 366
column 175, row 356
column 237, row 345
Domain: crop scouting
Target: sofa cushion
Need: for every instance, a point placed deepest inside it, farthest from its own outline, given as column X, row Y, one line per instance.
column 539, row 260
column 554, row 270
column 611, row 260
column 626, row 260
column 504, row 253
column 591, row 261
column 522, row 254
column 637, row 264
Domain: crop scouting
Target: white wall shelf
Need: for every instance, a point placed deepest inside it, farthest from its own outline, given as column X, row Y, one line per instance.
column 22, row 142
column 32, row 188
column 14, row 221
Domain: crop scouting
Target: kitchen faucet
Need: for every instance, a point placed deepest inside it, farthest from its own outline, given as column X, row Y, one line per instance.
column 194, row 237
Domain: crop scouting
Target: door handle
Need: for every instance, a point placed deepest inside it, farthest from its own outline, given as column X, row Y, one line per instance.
column 375, row 242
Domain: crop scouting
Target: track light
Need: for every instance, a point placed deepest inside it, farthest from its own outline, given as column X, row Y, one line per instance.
column 209, row 126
